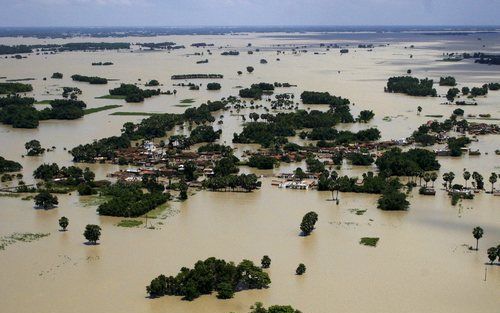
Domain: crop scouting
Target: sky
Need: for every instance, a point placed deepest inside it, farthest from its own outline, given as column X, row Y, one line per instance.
column 247, row 12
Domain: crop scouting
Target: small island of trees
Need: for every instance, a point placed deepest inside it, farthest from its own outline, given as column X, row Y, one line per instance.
column 208, row 276
column 411, row 86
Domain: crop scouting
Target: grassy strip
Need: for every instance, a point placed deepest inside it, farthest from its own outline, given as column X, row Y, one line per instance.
column 43, row 102
column 369, row 241
column 112, row 97
column 19, row 80
column 190, row 100
column 99, row 109
column 129, row 223
column 182, row 105
column 22, row 237
column 133, row 113
column 157, row 211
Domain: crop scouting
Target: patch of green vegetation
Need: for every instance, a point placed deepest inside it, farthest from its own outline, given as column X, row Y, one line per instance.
column 157, row 212
column 189, row 100
column 10, row 195
column 133, row 113
column 358, row 211
column 99, row 109
column 94, row 200
column 19, row 79
column 112, row 97
column 434, row 115
column 20, row 237
column 369, row 241
column 182, row 105
column 129, row 223
column 43, row 102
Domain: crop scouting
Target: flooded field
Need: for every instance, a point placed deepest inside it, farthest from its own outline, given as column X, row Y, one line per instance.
column 422, row 262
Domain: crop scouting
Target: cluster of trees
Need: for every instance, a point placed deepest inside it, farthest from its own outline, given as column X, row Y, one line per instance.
column 67, row 176
column 93, row 80
column 132, row 93
column 9, row 166
column 34, row 148
column 246, row 182
column 20, row 113
column 371, row 183
column 154, row 126
column 73, row 46
column 342, row 137
column 71, row 92
column 411, row 86
column 262, row 162
column 215, row 147
column 57, row 75
column 395, row 162
column 45, row 200
column 210, row 275
column 393, row 199
column 363, row 159
column 128, row 200
column 456, row 144
column 18, row 49
column 314, row 97
column 13, row 88
column 213, row 86
column 365, row 116
column 256, row 90
column 197, row 76
column 308, row 222
column 204, row 133
column 153, row 83
column 278, row 127
column 447, row 81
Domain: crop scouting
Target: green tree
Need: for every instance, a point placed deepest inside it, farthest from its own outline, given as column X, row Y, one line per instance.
column 434, row 176
column 492, row 254
column 301, row 269
column 92, row 233
column 266, row 261
column 467, row 176
column 308, row 222
column 250, row 69
column 477, row 232
column 393, row 200
column 493, row 179
column 64, row 222
column 45, row 200
column 33, row 148
column 419, row 110
column 225, row 291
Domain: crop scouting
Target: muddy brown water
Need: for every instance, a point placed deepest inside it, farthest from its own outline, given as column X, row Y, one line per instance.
column 421, row 263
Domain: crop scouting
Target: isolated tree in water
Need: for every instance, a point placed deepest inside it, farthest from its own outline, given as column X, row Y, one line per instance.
column 45, row 200
column 308, row 222
column 477, row 232
column 493, row 180
column 64, row 222
column 301, row 269
column 92, row 233
column 250, row 69
column 266, row 261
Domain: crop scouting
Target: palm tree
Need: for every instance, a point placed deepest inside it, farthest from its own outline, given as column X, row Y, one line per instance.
column 466, row 177
column 427, row 178
column 493, row 180
column 434, row 176
column 451, row 177
column 477, row 232
column 446, row 178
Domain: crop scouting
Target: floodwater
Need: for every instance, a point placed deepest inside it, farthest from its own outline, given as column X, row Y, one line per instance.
column 421, row 264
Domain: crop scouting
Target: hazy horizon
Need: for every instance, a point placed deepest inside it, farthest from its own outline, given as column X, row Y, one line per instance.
column 209, row 13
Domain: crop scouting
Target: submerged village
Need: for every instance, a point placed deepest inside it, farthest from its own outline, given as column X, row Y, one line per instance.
column 258, row 136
